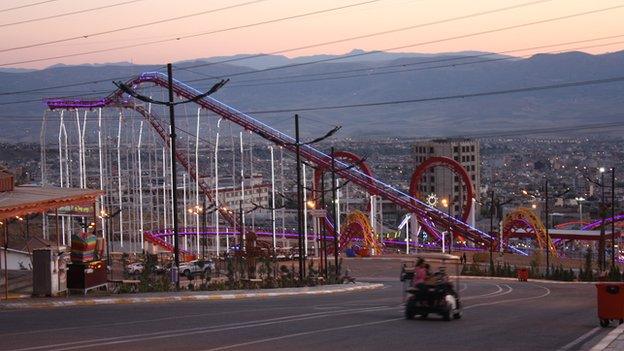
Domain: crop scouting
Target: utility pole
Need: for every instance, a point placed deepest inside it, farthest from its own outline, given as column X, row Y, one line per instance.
column 204, row 236
column 335, row 212
column 547, row 236
column 241, row 242
column 322, row 226
column 613, row 219
column 603, row 213
column 299, row 201
column 174, row 176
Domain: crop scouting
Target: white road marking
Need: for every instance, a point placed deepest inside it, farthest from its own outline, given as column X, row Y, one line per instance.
column 192, row 331
column 580, row 339
column 260, row 323
column 608, row 339
column 512, row 300
column 287, row 336
column 498, row 291
column 82, row 327
column 253, row 342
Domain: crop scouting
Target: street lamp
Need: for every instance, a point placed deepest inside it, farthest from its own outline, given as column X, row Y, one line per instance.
column 496, row 205
column 107, row 216
column 580, row 200
column 447, row 204
column 547, row 224
column 603, row 215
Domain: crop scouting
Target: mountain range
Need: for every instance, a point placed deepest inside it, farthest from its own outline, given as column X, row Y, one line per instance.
column 388, row 82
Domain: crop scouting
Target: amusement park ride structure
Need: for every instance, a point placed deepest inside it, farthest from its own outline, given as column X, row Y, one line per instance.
column 122, row 170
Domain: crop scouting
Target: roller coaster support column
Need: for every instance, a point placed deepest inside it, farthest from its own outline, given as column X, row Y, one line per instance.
column 299, row 201
column 174, row 177
column 373, row 217
column 407, row 237
column 471, row 219
column 336, row 209
column 414, row 230
column 323, row 229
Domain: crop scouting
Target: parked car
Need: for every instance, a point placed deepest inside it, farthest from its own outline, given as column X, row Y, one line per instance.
column 138, row 267
column 196, row 267
column 135, row 268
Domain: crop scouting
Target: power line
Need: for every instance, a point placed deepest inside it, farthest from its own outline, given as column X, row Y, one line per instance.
column 500, row 29
column 187, row 16
column 69, row 13
column 370, row 35
column 28, row 5
column 479, row 135
column 368, row 74
column 109, row 79
column 453, row 58
column 517, row 132
column 450, row 97
column 366, row 69
column 195, row 66
column 85, row 36
column 286, row 66
column 329, row 59
column 430, row 99
column 131, row 46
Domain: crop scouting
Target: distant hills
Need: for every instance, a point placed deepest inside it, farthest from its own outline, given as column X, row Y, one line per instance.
column 362, row 78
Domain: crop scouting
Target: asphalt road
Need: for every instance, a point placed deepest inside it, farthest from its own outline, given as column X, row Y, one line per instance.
column 499, row 315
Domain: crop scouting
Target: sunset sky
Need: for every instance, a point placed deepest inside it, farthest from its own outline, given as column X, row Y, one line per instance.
column 367, row 17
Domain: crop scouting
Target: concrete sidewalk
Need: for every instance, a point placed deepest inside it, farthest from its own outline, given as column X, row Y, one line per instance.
column 183, row 296
column 612, row 342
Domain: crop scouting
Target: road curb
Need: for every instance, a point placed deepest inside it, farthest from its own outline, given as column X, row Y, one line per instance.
column 612, row 341
column 234, row 295
column 516, row 279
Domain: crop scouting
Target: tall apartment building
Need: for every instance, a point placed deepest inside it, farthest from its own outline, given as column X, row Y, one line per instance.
column 440, row 180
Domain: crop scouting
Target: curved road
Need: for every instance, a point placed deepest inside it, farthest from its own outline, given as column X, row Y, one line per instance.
column 499, row 315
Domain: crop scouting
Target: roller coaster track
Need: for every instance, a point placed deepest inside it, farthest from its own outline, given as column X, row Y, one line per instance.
column 371, row 184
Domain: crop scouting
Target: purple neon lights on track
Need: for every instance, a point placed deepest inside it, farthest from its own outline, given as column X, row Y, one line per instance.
column 598, row 223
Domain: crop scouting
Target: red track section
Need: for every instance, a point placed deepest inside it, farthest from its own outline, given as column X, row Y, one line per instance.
column 186, row 255
column 454, row 166
column 372, row 185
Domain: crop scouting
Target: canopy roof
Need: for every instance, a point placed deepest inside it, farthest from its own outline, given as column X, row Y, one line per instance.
column 32, row 199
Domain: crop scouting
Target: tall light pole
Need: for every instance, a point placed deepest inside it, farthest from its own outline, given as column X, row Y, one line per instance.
column 447, row 204
column 299, row 201
column 613, row 219
column 335, row 211
column 603, row 214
